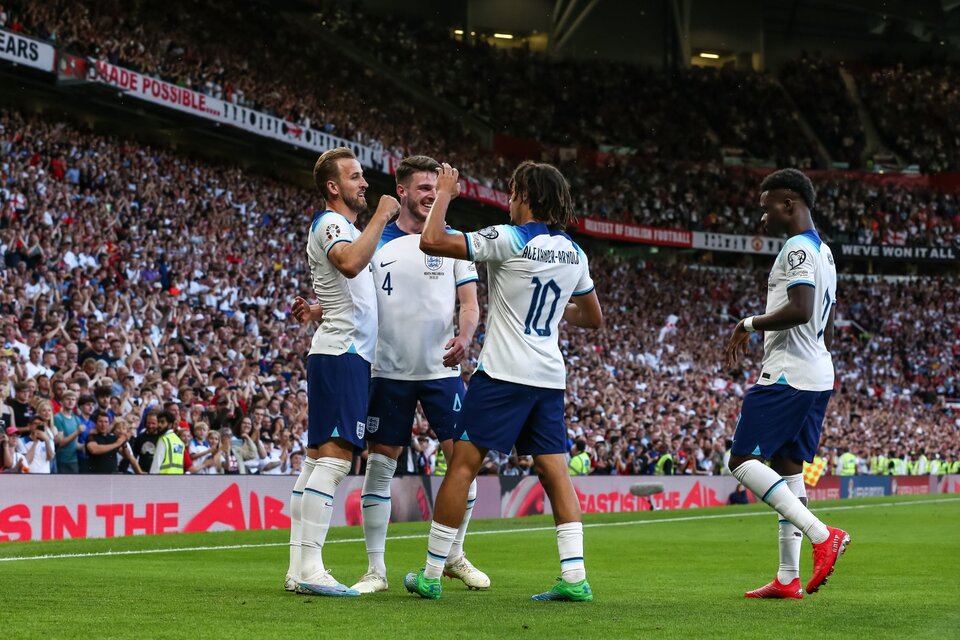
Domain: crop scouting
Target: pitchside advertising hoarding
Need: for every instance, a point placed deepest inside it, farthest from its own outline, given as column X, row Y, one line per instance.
column 59, row 507
column 32, row 53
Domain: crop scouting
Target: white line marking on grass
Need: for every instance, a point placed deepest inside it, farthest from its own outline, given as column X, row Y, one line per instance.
column 421, row 536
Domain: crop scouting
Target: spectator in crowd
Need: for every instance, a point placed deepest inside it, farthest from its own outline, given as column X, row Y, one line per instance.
column 103, row 445
column 38, row 447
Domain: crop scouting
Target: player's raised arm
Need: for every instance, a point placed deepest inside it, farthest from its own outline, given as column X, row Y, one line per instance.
column 436, row 240
column 350, row 258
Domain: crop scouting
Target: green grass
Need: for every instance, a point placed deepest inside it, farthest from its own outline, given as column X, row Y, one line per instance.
column 676, row 578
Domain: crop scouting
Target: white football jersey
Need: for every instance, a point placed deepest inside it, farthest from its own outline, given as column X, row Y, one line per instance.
column 797, row 356
column 349, row 304
column 532, row 273
column 416, row 297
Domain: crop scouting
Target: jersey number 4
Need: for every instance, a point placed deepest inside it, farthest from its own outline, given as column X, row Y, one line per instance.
column 542, row 293
column 386, row 285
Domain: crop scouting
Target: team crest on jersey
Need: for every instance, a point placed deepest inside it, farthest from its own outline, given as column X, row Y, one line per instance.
column 433, row 262
column 332, row 231
column 361, row 429
column 373, row 423
column 796, row 258
column 490, row 233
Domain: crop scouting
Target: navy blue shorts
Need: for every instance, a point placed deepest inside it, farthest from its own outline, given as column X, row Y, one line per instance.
column 337, row 387
column 778, row 421
column 393, row 403
column 498, row 415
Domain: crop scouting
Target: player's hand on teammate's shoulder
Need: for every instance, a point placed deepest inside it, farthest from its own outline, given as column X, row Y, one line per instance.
column 303, row 311
column 736, row 345
column 388, row 207
column 448, row 180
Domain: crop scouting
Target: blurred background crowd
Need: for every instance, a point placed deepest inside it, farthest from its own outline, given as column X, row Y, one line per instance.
column 149, row 290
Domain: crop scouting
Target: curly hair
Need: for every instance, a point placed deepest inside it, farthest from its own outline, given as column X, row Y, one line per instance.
column 791, row 180
column 546, row 191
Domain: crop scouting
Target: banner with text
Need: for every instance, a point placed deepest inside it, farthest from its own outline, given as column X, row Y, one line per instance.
column 58, row 507
column 727, row 242
column 897, row 253
column 26, row 51
column 635, row 233
column 195, row 103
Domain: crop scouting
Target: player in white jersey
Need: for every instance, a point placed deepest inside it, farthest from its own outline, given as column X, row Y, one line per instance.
column 338, row 366
column 417, row 360
column 783, row 412
column 537, row 275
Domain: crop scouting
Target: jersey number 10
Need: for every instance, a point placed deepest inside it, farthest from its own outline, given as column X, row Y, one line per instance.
column 541, row 292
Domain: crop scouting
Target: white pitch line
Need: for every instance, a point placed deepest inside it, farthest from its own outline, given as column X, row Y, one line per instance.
column 420, row 536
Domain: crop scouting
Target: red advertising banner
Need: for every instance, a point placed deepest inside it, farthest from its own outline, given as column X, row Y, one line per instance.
column 909, row 485
column 635, row 233
column 60, row 507
column 828, row 488
column 611, row 494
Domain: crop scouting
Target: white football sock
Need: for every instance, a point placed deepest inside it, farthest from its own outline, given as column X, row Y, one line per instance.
column 296, row 499
column 770, row 487
column 375, row 505
column 317, row 509
column 457, row 549
column 570, row 544
column 790, row 536
column 438, row 549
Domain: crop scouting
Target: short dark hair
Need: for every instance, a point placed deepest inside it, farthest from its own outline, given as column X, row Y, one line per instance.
column 166, row 415
column 415, row 164
column 546, row 191
column 791, row 180
column 328, row 168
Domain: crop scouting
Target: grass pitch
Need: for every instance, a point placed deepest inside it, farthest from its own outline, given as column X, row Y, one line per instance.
column 666, row 574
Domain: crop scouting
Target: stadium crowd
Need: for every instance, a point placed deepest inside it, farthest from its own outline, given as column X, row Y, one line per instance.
column 915, row 109
column 859, row 208
column 520, row 93
column 143, row 291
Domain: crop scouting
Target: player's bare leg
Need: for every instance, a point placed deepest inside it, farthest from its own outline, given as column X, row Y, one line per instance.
column 572, row 584
column 829, row 543
column 448, row 514
column 787, row 583
column 458, row 566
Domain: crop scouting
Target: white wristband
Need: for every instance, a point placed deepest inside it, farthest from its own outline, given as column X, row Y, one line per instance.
column 748, row 324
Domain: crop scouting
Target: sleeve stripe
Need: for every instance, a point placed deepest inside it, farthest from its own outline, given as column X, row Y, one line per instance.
column 584, row 292
column 333, row 244
column 799, row 282
column 468, row 280
column 466, row 237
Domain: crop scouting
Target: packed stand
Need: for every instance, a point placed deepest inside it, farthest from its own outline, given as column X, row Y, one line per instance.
column 138, row 293
column 916, row 109
column 713, row 198
column 822, row 97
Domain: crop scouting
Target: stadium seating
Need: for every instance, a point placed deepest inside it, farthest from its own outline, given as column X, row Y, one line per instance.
column 104, row 237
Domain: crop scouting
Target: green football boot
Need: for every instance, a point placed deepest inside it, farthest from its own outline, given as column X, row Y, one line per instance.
column 566, row 591
column 424, row 587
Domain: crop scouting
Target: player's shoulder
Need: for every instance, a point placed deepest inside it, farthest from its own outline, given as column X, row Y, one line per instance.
column 808, row 240
column 327, row 217
column 393, row 232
